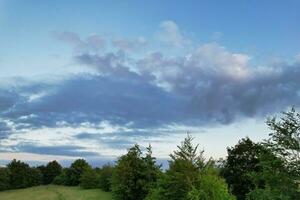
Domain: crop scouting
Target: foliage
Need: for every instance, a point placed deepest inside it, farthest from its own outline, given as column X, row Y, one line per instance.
column 4, row 179
column 133, row 175
column 62, row 178
column 35, row 177
column 18, row 174
column 278, row 181
column 242, row 160
column 51, row 170
column 73, row 174
column 89, row 179
column 285, row 140
column 183, row 173
column 106, row 173
column 210, row 187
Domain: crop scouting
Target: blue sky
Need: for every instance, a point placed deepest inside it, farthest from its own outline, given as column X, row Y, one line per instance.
column 90, row 78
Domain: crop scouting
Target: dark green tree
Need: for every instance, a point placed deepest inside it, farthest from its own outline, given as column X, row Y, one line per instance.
column 51, row 170
column 4, row 179
column 75, row 171
column 242, row 160
column 35, row 177
column 89, row 179
column 18, row 174
column 131, row 177
column 106, row 173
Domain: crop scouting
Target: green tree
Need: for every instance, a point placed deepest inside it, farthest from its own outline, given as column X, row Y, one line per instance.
column 285, row 140
column 75, row 171
column 51, row 170
column 4, row 179
column 183, row 173
column 18, row 174
column 89, row 179
column 210, row 187
column 242, row 160
column 131, row 177
column 35, row 177
column 106, row 173
column 62, row 178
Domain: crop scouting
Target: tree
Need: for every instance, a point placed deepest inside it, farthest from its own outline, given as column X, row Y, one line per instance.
column 18, row 174
column 183, row 173
column 131, row 177
column 285, row 139
column 4, row 179
column 35, row 177
column 62, row 178
column 106, row 173
column 210, row 187
column 51, row 170
column 89, row 179
column 75, row 171
column 242, row 160
column 278, row 181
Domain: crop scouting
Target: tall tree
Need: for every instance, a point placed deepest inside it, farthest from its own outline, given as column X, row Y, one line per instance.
column 18, row 174
column 285, row 139
column 183, row 174
column 242, row 159
column 132, row 175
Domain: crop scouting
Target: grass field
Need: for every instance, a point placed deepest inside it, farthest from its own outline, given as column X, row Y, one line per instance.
column 53, row 192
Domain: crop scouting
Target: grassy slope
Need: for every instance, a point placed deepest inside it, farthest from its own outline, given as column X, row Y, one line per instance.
column 52, row 192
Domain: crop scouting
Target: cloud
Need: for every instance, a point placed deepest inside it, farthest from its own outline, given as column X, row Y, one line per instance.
column 92, row 43
column 170, row 34
column 129, row 44
column 140, row 96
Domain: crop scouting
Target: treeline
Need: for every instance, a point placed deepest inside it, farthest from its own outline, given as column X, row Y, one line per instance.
column 267, row 170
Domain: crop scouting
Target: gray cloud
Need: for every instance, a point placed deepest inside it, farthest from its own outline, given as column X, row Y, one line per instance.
column 74, row 151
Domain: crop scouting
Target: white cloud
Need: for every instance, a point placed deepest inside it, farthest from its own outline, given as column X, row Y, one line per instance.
column 171, row 34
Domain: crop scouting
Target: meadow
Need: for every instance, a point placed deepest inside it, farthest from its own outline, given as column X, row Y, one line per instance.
column 53, row 192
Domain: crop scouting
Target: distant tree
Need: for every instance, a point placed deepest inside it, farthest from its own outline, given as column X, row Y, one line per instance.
column 106, row 173
column 132, row 177
column 4, row 179
column 242, row 160
column 62, row 178
column 51, row 170
column 18, row 174
column 89, row 179
column 35, row 177
column 75, row 171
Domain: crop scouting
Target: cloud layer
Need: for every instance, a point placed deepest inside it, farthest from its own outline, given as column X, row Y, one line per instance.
column 132, row 95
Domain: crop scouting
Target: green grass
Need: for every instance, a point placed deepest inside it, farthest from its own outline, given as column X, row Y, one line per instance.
column 53, row 192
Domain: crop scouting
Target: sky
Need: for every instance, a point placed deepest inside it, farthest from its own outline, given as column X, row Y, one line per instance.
column 88, row 79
